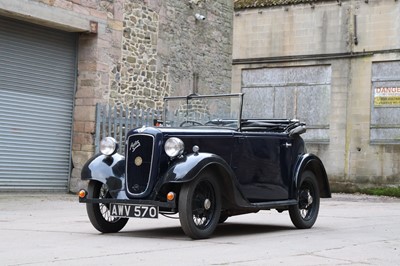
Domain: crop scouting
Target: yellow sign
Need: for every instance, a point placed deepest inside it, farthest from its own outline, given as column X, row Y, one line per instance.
column 387, row 96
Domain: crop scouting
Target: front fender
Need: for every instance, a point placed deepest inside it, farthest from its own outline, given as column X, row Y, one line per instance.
column 313, row 163
column 109, row 170
column 188, row 167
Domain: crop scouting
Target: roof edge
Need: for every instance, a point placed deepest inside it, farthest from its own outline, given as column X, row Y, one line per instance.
column 243, row 4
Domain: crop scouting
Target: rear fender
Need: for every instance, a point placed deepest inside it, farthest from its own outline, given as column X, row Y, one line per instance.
column 312, row 163
column 109, row 170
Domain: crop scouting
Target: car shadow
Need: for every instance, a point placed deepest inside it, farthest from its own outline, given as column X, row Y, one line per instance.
column 228, row 229
column 239, row 229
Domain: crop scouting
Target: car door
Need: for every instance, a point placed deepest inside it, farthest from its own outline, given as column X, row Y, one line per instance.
column 261, row 163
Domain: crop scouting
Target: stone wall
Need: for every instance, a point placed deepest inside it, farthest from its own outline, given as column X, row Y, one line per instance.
column 151, row 50
column 98, row 55
column 164, row 47
column 137, row 82
column 191, row 48
column 349, row 36
column 145, row 51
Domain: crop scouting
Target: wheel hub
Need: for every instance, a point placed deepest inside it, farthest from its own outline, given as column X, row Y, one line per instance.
column 309, row 199
column 207, row 204
column 305, row 199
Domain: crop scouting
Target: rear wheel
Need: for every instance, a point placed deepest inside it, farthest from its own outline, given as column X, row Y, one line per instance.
column 200, row 206
column 305, row 213
column 99, row 213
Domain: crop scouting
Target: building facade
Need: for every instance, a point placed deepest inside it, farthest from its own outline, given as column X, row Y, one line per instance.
column 59, row 58
column 335, row 65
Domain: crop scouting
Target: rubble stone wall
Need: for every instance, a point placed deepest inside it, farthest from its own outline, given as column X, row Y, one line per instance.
column 167, row 51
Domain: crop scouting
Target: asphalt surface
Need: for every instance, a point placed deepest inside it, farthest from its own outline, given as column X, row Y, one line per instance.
column 53, row 229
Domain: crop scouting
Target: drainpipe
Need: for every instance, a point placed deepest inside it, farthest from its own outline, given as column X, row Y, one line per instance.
column 355, row 30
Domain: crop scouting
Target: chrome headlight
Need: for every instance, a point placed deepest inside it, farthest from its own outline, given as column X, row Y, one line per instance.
column 108, row 146
column 174, row 147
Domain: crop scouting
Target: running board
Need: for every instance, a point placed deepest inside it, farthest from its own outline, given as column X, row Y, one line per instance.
column 273, row 204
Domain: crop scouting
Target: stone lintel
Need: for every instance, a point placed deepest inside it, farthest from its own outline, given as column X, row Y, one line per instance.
column 45, row 15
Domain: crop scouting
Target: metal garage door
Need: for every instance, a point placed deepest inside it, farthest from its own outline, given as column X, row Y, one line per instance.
column 37, row 81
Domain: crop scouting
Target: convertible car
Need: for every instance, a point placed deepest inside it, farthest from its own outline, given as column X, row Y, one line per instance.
column 204, row 162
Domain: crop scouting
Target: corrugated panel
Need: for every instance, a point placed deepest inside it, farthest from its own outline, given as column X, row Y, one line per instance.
column 290, row 92
column 37, row 80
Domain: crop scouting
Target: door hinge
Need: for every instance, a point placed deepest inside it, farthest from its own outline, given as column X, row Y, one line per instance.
column 287, row 145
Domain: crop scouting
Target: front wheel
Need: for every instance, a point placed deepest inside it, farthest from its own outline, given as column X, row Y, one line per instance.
column 200, row 206
column 304, row 214
column 99, row 213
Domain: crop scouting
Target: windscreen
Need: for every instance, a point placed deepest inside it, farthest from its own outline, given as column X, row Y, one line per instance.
column 194, row 111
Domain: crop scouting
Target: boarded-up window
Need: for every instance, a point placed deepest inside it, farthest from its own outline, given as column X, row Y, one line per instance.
column 290, row 92
column 385, row 103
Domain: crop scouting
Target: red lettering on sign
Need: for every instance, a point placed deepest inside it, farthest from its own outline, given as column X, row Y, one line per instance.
column 387, row 90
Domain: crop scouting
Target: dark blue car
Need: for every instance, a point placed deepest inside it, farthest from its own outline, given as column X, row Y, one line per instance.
column 205, row 162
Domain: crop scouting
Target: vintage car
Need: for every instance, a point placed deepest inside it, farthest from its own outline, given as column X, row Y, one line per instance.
column 204, row 162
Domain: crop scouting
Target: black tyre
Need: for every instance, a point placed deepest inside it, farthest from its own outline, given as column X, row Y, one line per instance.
column 222, row 218
column 99, row 213
column 200, row 206
column 305, row 213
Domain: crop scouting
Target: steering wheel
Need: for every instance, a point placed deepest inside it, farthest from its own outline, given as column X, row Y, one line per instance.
column 192, row 122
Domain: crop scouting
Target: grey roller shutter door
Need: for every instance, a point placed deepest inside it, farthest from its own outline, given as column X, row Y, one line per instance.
column 37, row 81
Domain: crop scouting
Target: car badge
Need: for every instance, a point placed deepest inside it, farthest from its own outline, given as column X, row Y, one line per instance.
column 138, row 161
column 135, row 187
column 134, row 146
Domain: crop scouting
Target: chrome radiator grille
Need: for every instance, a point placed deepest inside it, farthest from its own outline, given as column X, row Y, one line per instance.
column 139, row 163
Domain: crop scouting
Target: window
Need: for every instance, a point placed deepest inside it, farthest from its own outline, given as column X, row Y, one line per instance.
column 385, row 103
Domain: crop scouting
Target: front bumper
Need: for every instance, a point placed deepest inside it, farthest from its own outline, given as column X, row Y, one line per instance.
column 163, row 206
column 167, row 206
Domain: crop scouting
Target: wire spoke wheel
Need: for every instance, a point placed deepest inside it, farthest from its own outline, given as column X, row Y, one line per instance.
column 104, row 208
column 306, row 201
column 99, row 213
column 200, row 206
column 305, row 213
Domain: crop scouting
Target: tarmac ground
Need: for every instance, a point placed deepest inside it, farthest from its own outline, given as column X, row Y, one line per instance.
column 53, row 229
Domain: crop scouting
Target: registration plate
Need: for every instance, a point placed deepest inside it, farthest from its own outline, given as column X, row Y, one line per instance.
column 136, row 211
